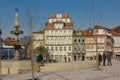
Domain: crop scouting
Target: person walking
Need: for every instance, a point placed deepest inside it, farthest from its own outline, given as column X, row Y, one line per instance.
column 39, row 60
column 65, row 59
column 109, row 59
column 104, row 59
column 99, row 58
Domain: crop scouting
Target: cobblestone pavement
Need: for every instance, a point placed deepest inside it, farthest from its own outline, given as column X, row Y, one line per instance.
column 106, row 73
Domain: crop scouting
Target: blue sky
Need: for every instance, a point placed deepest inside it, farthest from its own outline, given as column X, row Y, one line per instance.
column 107, row 13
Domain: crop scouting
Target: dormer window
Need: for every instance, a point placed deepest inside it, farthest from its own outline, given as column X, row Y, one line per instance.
column 58, row 25
column 59, row 15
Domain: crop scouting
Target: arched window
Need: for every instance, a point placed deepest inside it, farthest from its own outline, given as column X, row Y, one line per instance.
column 83, row 40
column 75, row 40
column 78, row 40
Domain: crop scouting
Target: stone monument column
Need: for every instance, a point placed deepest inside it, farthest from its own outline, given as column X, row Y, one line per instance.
column 16, row 32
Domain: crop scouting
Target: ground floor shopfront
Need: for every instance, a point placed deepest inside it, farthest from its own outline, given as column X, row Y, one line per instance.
column 61, row 56
column 79, row 56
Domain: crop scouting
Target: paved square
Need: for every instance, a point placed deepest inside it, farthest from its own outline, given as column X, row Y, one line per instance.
column 106, row 73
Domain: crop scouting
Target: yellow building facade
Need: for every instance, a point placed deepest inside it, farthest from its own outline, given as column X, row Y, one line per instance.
column 38, row 39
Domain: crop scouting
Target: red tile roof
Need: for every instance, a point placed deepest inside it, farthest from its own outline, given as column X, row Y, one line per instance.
column 87, row 32
column 115, row 31
column 11, row 42
column 40, row 31
column 52, row 16
column 9, row 39
column 76, row 32
column 66, row 15
column 51, row 25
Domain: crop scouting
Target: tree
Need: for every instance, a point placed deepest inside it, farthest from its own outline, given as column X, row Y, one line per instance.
column 31, row 21
column 41, row 50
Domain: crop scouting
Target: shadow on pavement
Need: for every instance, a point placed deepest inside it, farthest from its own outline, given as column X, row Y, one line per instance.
column 59, row 76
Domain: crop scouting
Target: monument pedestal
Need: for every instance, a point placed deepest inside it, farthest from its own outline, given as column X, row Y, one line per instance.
column 16, row 55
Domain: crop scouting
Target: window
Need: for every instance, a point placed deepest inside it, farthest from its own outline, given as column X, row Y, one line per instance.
column 69, row 40
column 56, row 48
column 64, row 48
column 64, row 32
column 78, row 48
column 60, row 32
column 47, row 48
column 56, row 32
column 75, row 40
column 69, row 49
column 88, row 47
column 52, row 33
column 52, row 49
column 78, row 40
column 83, row 48
column 64, row 41
column 100, row 47
column 55, row 40
column 75, row 48
column 91, row 47
column 83, row 40
column 60, row 48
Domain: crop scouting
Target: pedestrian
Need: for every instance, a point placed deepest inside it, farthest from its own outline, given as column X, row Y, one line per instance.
column 109, row 58
column 69, row 59
column 39, row 61
column 99, row 58
column 65, row 59
column 104, row 59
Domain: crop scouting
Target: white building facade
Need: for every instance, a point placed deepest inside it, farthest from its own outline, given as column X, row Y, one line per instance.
column 104, row 39
column 116, row 36
column 58, row 37
column 104, row 42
